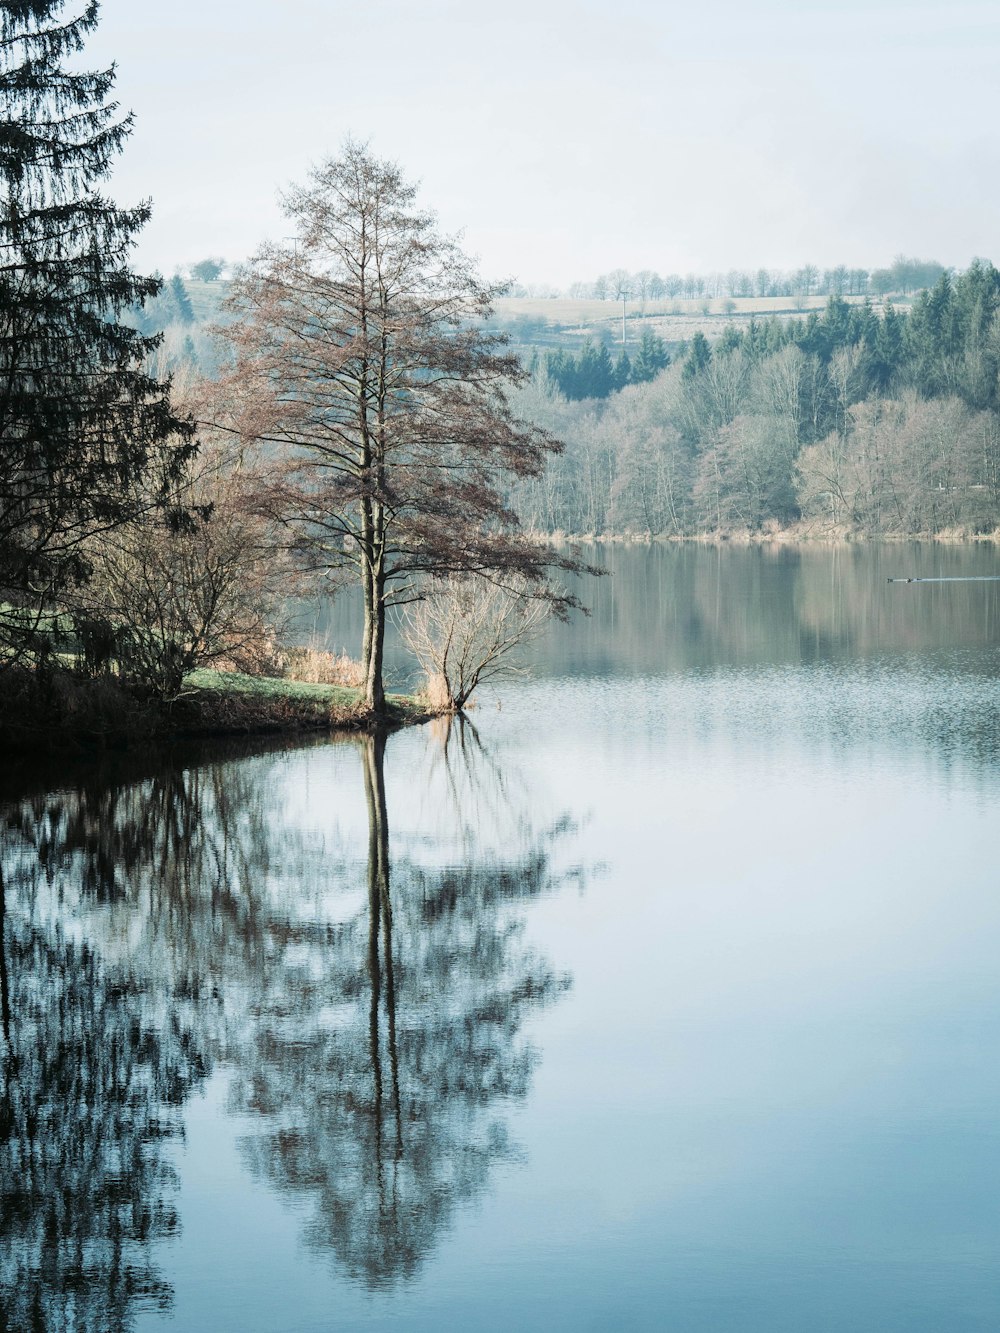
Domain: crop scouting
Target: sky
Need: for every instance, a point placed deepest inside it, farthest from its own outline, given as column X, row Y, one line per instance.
column 565, row 138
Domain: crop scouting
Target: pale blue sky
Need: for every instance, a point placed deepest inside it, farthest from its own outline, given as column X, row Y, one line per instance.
column 565, row 138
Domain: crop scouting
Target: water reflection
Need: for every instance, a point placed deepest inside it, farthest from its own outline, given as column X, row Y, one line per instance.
column 385, row 1100
column 368, row 1005
column 93, row 1080
column 676, row 608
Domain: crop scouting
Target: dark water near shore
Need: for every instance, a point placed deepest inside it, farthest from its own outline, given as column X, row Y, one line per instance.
column 664, row 997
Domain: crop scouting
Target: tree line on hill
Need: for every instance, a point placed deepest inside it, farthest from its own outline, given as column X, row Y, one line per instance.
column 856, row 419
column 903, row 277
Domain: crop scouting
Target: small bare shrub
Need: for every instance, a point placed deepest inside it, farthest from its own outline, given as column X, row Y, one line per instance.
column 168, row 594
column 263, row 656
column 467, row 631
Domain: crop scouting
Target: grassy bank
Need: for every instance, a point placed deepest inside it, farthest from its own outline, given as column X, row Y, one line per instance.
column 223, row 703
column 62, row 710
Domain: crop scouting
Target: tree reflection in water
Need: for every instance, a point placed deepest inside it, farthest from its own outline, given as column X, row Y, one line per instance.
column 151, row 929
column 113, row 901
column 386, row 1096
column 93, row 1079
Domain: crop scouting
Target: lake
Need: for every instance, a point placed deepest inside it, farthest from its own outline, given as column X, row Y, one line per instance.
column 663, row 994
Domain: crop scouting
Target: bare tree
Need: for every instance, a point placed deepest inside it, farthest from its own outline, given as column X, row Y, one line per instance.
column 164, row 600
column 467, row 632
column 363, row 363
column 621, row 283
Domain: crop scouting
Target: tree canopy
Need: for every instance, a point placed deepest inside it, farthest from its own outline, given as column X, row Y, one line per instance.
column 363, row 363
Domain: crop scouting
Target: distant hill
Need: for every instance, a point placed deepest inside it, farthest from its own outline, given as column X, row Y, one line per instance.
column 568, row 323
column 206, row 298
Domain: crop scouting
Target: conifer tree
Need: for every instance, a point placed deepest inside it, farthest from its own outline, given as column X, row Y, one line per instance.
column 651, row 358
column 181, row 300
column 86, row 434
column 698, row 357
column 623, row 370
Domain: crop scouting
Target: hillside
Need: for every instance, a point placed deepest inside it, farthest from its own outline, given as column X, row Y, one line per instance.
column 568, row 324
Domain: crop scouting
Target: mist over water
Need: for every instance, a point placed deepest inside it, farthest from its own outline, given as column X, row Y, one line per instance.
column 664, row 995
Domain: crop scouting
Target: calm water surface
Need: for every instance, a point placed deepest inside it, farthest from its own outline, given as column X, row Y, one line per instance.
column 666, row 996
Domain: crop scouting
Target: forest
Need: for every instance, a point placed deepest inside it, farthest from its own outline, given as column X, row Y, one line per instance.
column 857, row 420
column 861, row 419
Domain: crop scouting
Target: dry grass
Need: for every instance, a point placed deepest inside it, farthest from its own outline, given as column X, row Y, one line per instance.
column 437, row 694
column 314, row 666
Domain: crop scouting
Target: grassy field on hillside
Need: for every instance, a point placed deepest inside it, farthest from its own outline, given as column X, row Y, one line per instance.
column 568, row 310
column 567, row 322
column 206, row 299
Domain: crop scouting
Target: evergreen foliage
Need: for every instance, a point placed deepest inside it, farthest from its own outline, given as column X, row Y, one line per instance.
column 698, row 358
column 181, row 300
column 651, row 358
column 83, row 426
column 593, row 374
column 171, row 305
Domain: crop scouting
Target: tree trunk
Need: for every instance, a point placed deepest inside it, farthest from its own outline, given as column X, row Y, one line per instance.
column 369, row 600
column 382, row 971
column 375, row 639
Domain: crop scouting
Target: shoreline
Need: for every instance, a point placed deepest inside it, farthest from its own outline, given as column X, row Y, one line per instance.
column 794, row 536
column 76, row 716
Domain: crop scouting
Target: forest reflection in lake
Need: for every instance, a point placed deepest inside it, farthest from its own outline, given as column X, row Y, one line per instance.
column 367, row 1013
column 291, row 1036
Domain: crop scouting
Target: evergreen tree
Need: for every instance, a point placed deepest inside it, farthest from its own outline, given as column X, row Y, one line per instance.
column 888, row 349
column 586, row 374
column 933, row 340
column 698, row 358
column 554, row 369
column 731, row 340
column 977, row 300
column 181, row 300
column 623, row 371
column 83, row 427
column 651, row 358
column 837, row 327
column 603, row 378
